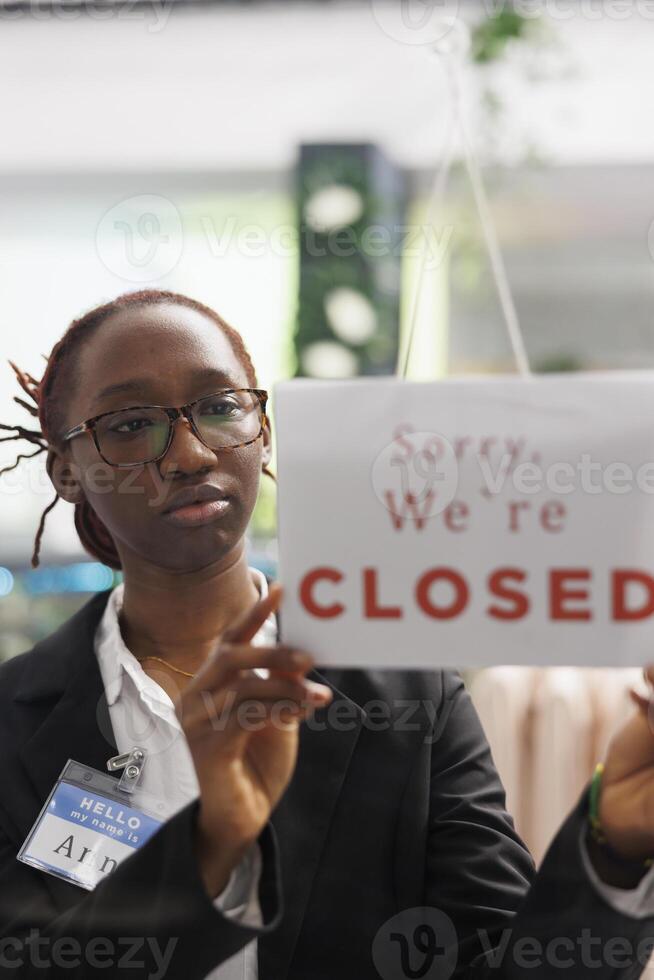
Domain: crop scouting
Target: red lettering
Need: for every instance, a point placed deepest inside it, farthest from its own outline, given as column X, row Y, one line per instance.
column 457, row 510
column 515, row 506
column 442, row 612
column 551, row 512
column 559, row 595
column 460, row 446
column 621, row 578
column 398, row 437
column 306, row 593
column 514, row 448
column 410, row 501
column 371, row 608
column 569, row 594
column 497, row 588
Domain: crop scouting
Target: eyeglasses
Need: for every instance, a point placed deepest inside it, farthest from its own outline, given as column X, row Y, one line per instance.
column 227, row 419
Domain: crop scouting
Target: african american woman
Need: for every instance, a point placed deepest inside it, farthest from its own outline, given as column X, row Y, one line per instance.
column 313, row 845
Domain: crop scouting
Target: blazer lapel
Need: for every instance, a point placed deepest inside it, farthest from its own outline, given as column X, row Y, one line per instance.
column 78, row 727
column 303, row 815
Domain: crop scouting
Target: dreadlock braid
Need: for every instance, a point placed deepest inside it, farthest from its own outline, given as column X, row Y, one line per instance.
column 50, row 410
column 31, row 387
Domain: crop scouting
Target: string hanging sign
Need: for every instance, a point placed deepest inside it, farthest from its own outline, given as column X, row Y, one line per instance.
column 469, row 521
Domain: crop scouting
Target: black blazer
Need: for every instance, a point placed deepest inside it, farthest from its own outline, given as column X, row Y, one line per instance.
column 377, row 819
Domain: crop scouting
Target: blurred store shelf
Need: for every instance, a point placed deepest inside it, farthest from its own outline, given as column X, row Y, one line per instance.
column 34, row 602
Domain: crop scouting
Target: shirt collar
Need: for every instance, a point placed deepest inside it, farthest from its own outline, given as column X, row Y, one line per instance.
column 115, row 660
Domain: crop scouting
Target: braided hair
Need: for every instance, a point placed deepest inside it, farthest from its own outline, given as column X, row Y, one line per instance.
column 48, row 409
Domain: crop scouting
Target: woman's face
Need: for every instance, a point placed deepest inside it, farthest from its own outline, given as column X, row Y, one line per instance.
column 159, row 355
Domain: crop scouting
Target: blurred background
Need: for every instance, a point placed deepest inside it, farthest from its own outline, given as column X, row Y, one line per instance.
column 274, row 160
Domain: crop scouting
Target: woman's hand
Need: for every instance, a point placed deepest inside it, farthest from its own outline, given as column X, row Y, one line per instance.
column 242, row 731
column 626, row 809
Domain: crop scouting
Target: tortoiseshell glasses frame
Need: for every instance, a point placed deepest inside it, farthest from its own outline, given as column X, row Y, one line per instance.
column 173, row 412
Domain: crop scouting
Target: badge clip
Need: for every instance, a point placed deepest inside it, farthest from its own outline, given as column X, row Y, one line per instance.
column 87, row 825
column 131, row 763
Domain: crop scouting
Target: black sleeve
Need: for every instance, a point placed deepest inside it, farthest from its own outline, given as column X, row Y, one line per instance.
column 153, row 907
column 512, row 921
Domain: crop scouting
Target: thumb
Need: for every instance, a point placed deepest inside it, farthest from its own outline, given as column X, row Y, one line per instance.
column 251, row 620
column 642, row 703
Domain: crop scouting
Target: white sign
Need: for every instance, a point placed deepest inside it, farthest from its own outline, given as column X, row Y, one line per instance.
column 468, row 522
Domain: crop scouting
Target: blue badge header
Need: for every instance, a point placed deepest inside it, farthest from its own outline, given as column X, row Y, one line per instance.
column 102, row 815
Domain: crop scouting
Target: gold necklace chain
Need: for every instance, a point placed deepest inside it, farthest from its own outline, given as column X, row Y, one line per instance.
column 160, row 660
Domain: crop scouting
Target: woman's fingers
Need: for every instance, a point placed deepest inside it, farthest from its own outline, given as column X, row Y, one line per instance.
column 641, row 702
column 231, row 658
column 251, row 698
column 250, row 622
column 271, row 689
column 227, row 681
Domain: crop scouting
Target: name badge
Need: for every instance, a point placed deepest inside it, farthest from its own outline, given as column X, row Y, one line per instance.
column 88, row 826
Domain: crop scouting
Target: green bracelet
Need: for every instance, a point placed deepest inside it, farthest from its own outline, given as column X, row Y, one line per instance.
column 596, row 831
column 593, row 804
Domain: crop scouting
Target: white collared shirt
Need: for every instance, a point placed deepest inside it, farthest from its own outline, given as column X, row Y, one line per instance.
column 143, row 714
